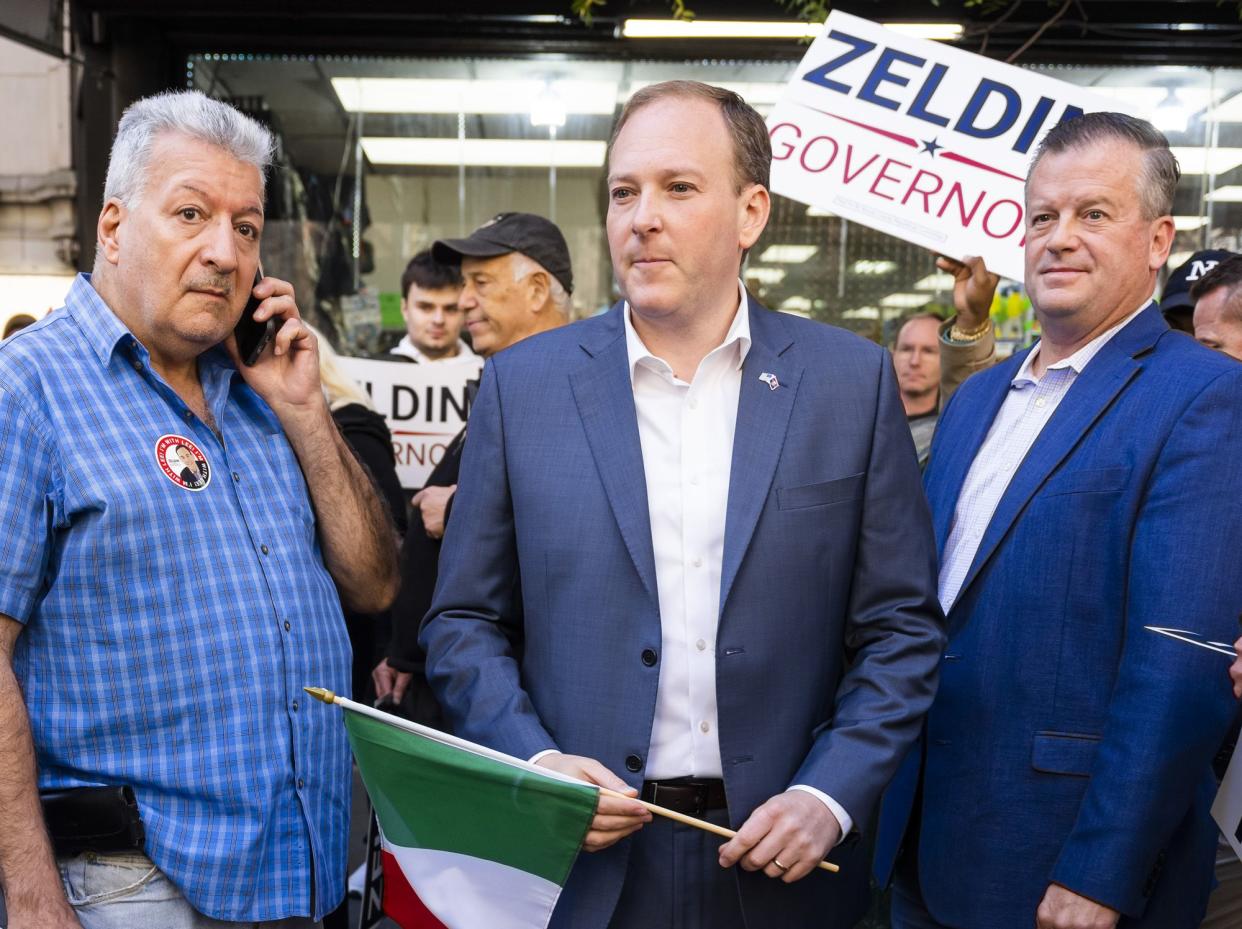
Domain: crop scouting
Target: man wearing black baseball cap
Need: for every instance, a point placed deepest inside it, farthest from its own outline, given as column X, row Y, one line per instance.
column 518, row 279
column 1176, row 303
column 517, row 282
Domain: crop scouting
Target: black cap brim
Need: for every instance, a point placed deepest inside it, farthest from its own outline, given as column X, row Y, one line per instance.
column 452, row 251
column 1177, row 302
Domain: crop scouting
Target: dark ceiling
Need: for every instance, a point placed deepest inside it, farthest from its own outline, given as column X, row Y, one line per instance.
column 1103, row 31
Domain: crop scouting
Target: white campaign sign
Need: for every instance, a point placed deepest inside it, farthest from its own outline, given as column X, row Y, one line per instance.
column 917, row 139
column 425, row 405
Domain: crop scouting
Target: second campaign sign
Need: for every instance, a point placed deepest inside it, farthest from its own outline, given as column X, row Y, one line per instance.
column 920, row 140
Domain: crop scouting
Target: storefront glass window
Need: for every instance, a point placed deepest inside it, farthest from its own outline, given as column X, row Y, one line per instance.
column 447, row 143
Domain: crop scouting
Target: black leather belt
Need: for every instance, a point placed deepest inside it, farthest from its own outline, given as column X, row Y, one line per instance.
column 692, row 796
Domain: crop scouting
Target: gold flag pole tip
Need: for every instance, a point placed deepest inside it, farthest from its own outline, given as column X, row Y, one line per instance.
column 321, row 693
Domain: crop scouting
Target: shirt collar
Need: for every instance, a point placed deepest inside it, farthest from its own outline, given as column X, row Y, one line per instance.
column 407, row 348
column 105, row 333
column 1077, row 361
column 739, row 333
column 102, row 328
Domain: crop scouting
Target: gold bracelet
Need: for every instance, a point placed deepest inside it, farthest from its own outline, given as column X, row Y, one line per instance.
column 957, row 334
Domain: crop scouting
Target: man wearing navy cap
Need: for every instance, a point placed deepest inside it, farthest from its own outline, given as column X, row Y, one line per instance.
column 1177, row 303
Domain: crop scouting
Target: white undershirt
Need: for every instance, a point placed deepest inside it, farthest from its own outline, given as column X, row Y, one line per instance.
column 686, row 431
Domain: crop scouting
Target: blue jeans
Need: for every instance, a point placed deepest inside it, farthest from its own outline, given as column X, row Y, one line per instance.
column 127, row 891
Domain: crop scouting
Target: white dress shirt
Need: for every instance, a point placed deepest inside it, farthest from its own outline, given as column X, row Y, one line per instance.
column 686, row 431
column 1027, row 408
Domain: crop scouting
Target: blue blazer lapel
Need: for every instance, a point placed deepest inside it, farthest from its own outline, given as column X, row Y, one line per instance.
column 762, row 419
column 949, row 464
column 1092, row 393
column 605, row 400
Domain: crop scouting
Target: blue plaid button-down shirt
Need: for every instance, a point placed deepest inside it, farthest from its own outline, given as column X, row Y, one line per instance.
column 169, row 629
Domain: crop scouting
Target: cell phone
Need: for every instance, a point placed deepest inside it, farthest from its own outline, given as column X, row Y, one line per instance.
column 253, row 336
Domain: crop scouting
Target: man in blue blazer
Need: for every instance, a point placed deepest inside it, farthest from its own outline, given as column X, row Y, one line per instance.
column 1081, row 491
column 690, row 557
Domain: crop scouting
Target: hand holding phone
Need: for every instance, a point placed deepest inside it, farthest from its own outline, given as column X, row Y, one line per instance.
column 253, row 336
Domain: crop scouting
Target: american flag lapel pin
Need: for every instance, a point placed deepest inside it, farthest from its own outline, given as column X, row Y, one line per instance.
column 770, row 380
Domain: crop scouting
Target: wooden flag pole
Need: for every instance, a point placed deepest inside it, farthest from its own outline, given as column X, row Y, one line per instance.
column 327, row 696
column 696, row 823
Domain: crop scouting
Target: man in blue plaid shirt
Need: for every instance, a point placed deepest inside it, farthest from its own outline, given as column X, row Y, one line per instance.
column 129, row 659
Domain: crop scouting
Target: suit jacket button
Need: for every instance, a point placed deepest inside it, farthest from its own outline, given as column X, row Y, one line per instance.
column 633, row 763
column 649, row 657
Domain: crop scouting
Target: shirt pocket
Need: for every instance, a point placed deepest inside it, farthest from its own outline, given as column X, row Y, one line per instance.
column 1071, row 753
column 1088, row 481
column 824, row 493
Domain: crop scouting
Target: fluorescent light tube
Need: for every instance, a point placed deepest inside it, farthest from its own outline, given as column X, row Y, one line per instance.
column 421, row 95
column 478, row 153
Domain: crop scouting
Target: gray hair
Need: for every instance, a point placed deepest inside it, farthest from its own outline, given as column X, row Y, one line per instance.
column 188, row 112
column 1158, row 182
column 524, row 266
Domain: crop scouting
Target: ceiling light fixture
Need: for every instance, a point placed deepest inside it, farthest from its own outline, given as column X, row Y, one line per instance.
column 939, row 281
column 764, row 29
column 1230, row 194
column 873, row 267
column 1172, row 114
column 484, row 97
column 788, row 254
column 481, row 153
column 1196, row 159
column 904, row 300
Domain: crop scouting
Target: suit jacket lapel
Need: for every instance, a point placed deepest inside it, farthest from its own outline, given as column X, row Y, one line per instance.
column 1090, row 396
column 605, row 399
column 949, row 464
column 762, row 419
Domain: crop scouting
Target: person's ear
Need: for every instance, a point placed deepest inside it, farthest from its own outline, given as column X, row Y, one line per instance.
column 538, row 288
column 754, row 208
column 108, row 230
column 1163, row 232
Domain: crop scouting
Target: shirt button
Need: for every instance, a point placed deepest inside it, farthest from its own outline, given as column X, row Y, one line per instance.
column 137, row 365
column 705, row 726
column 698, row 562
column 295, row 706
column 287, row 626
column 701, row 645
column 301, row 783
column 189, row 415
column 694, row 404
column 1041, row 402
column 263, row 549
column 236, row 478
column 695, row 480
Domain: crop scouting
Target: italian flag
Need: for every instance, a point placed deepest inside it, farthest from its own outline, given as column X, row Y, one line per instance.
column 472, row 838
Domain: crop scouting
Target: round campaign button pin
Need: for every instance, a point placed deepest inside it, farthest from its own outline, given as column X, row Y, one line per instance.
column 182, row 462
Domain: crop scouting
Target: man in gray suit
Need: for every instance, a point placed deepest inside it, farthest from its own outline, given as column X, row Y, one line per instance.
column 704, row 523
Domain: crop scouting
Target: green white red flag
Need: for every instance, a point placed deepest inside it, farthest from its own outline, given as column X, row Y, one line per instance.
column 472, row 838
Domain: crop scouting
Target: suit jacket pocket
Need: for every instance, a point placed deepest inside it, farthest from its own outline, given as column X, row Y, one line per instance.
column 1064, row 753
column 824, row 493
column 1088, row 481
